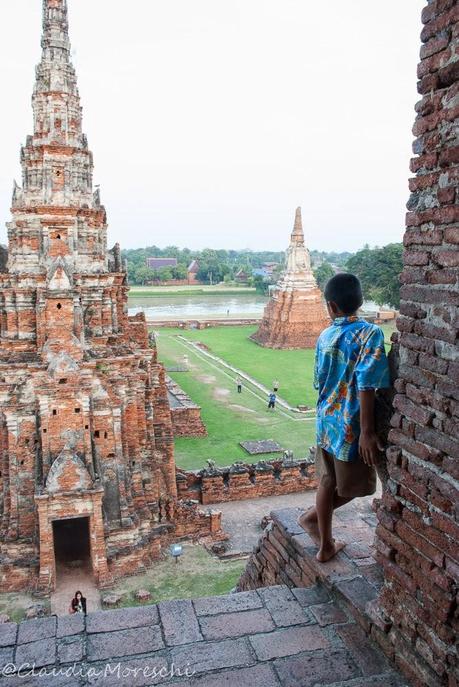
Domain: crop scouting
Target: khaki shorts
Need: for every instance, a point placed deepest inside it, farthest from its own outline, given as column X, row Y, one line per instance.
column 353, row 478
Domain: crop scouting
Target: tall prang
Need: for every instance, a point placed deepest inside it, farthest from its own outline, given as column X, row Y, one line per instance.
column 86, row 442
column 295, row 314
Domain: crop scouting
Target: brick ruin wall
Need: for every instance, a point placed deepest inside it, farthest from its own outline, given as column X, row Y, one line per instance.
column 292, row 320
column 186, row 415
column 418, row 533
column 246, row 481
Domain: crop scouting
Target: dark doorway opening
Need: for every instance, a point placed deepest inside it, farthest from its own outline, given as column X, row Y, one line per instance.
column 71, row 542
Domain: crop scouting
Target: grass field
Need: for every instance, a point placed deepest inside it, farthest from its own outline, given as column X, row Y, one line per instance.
column 194, row 290
column 197, row 574
column 230, row 417
column 293, row 369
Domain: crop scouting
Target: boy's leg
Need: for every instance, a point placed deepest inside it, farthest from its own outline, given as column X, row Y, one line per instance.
column 310, row 517
column 325, row 499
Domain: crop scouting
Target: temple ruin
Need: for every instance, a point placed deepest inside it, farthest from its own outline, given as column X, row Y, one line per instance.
column 295, row 314
column 86, row 438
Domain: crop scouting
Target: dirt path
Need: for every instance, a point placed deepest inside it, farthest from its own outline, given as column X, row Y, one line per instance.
column 69, row 581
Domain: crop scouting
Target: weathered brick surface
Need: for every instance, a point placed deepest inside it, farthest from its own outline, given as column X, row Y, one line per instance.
column 418, row 534
column 186, row 415
column 246, row 481
column 85, row 421
column 296, row 313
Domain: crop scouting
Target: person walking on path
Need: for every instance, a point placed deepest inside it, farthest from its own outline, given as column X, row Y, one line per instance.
column 272, row 401
column 276, row 386
column 239, row 384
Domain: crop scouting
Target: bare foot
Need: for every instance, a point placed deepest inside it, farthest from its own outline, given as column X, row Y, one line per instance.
column 308, row 521
column 328, row 552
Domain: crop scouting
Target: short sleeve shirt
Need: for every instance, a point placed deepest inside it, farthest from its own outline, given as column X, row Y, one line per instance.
column 350, row 357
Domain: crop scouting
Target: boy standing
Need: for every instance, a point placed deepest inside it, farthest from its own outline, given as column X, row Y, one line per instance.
column 239, row 384
column 350, row 365
column 272, row 401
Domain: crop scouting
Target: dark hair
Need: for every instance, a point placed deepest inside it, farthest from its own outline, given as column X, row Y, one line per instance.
column 345, row 290
column 76, row 594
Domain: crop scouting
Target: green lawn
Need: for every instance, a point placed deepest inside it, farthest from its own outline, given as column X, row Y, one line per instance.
column 293, row 369
column 193, row 290
column 229, row 417
column 197, row 574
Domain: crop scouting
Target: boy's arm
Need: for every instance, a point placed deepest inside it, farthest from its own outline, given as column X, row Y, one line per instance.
column 369, row 446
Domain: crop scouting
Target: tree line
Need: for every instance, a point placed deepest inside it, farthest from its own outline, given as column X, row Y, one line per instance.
column 378, row 268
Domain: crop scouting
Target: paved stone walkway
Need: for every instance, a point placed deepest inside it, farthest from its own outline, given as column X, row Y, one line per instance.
column 69, row 581
column 271, row 637
column 241, row 519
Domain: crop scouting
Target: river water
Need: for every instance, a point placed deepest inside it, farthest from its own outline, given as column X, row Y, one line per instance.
column 195, row 307
column 245, row 305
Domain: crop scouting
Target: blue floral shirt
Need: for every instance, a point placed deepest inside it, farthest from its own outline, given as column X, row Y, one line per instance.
column 350, row 357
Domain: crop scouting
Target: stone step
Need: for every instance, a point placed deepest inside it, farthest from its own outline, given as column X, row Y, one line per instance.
column 273, row 637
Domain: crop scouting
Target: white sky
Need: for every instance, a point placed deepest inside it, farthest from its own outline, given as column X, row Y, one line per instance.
column 211, row 120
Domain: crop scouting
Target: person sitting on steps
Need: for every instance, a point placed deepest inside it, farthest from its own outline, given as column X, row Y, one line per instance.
column 350, row 365
column 78, row 604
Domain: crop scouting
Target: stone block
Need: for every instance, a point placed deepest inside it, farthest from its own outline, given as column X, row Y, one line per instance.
column 108, row 645
column 241, row 601
column 328, row 614
column 236, row 624
column 370, row 660
column 70, row 625
column 319, row 668
column 289, row 641
column 204, row 657
column 309, row 596
column 257, row 676
column 283, row 606
column 8, row 633
column 179, row 621
column 121, row 619
column 33, row 630
column 70, row 650
column 40, row 653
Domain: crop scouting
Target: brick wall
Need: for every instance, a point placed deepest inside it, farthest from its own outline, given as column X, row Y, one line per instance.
column 418, row 532
column 240, row 481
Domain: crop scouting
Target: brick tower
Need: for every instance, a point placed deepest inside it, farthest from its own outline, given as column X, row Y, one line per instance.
column 295, row 314
column 86, row 443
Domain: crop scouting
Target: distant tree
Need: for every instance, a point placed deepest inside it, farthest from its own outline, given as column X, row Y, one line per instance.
column 165, row 274
column 143, row 275
column 378, row 269
column 180, row 272
column 323, row 273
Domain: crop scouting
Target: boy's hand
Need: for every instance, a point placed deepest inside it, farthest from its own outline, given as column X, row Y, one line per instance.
column 370, row 448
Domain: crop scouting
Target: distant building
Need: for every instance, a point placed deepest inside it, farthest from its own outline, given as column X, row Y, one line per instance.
column 261, row 272
column 159, row 263
column 193, row 269
column 242, row 277
column 269, row 267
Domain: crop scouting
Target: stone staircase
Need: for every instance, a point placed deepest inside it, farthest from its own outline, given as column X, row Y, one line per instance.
column 269, row 637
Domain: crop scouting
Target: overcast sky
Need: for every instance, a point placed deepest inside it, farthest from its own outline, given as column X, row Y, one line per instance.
column 211, row 120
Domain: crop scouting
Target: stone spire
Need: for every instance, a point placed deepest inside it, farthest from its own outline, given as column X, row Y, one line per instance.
column 298, row 273
column 55, row 28
column 297, row 233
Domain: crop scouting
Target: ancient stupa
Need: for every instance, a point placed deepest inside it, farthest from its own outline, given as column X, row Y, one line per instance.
column 296, row 312
column 87, row 468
